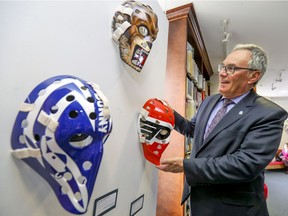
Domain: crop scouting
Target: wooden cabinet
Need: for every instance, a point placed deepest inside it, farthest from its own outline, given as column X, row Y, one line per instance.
column 183, row 30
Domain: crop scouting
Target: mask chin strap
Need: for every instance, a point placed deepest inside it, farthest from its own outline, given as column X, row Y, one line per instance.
column 45, row 120
column 120, row 30
column 26, row 107
column 26, row 153
column 121, row 27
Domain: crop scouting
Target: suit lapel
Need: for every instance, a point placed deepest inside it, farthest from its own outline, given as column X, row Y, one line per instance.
column 204, row 111
column 238, row 111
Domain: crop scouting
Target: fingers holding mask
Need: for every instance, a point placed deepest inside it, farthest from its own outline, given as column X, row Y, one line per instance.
column 174, row 165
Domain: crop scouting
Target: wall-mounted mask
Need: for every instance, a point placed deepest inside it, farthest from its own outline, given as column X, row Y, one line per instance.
column 135, row 27
column 155, row 123
column 59, row 132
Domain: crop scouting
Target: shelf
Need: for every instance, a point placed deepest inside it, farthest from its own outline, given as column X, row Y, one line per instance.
column 194, row 37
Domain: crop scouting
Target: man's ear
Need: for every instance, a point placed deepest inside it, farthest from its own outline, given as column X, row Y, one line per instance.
column 254, row 77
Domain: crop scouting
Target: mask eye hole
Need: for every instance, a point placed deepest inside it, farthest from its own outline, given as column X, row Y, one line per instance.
column 143, row 31
column 163, row 134
column 92, row 115
column 70, row 98
column 80, row 140
column 73, row 114
column 90, row 99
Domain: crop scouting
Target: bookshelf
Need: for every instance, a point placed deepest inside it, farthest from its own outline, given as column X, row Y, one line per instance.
column 187, row 83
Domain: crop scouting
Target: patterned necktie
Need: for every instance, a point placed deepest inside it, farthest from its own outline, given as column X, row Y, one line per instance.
column 219, row 115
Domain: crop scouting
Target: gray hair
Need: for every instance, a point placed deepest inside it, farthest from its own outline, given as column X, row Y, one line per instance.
column 259, row 59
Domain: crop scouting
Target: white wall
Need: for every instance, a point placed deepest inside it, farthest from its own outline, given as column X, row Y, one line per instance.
column 168, row 4
column 42, row 39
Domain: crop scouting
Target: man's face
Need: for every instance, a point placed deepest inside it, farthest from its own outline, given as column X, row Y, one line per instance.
column 241, row 81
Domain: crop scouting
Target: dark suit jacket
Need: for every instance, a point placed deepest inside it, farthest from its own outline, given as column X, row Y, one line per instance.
column 224, row 175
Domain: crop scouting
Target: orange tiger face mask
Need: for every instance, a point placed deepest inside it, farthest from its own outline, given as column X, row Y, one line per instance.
column 135, row 28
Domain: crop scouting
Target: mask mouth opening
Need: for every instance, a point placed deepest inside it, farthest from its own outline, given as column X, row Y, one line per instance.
column 139, row 56
column 80, row 140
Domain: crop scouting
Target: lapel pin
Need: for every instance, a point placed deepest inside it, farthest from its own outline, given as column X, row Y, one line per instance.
column 241, row 112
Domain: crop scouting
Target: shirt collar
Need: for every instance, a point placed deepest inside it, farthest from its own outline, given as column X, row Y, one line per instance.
column 239, row 98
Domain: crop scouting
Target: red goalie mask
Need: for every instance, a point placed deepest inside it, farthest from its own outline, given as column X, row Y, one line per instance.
column 155, row 123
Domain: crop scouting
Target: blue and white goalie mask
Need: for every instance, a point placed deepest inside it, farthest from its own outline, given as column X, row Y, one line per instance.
column 59, row 132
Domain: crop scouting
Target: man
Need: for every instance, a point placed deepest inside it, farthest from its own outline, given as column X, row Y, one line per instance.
column 224, row 175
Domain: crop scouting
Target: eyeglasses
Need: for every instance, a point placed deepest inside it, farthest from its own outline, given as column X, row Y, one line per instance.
column 230, row 69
